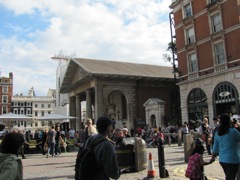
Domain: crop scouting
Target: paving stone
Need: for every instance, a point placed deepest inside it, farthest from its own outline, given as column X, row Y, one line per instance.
column 61, row 167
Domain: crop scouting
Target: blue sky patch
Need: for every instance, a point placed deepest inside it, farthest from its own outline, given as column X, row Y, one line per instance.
column 20, row 26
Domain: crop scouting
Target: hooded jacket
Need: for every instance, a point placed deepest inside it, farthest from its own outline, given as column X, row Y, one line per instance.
column 10, row 167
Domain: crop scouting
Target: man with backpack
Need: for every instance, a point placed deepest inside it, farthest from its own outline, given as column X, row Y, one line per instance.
column 98, row 160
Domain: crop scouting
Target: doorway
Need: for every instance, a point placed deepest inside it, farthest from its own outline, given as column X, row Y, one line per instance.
column 225, row 99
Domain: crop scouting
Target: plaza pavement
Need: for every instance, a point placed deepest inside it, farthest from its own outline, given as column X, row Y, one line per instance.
column 38, row 167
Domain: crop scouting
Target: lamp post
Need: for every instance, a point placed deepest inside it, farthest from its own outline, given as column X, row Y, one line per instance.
column 175, row 70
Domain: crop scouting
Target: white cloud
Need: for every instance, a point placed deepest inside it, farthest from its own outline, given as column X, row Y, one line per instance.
column 125, row 30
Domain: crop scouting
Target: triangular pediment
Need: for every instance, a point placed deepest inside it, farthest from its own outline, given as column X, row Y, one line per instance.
column 80, row 74
column 153, row 101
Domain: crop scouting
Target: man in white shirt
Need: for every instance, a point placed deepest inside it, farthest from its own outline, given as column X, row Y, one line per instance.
column 71, row 133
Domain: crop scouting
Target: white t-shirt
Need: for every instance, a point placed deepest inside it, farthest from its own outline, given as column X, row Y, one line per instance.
column 71, row 133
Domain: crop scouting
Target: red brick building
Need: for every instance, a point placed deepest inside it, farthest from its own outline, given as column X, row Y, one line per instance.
column 6, row 91
column 207, row 39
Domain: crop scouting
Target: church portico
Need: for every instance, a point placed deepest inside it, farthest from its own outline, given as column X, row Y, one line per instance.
column 111, row 89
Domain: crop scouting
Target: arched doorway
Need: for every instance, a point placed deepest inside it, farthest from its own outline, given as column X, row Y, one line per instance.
column 197, row 105
column 153, row 121
column 225, row 99
column 116, row 109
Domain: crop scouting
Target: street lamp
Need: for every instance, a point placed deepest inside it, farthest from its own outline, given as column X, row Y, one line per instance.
column 175, row 70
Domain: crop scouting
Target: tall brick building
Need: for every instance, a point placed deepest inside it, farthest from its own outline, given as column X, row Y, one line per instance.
column 207, row 39
column 6, row 91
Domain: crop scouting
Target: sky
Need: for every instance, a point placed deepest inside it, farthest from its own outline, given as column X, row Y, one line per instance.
column 33, row 31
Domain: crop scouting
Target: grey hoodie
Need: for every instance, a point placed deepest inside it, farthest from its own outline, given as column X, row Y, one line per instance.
column 10, row 167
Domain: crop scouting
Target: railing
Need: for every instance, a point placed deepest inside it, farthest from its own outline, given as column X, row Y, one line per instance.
column 193, row 75
column 220, row 67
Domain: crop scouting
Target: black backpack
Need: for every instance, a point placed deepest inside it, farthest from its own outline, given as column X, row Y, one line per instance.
column 86, row 166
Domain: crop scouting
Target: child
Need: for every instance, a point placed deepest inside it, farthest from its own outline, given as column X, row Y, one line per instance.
column 154, row 140
column 195, row 163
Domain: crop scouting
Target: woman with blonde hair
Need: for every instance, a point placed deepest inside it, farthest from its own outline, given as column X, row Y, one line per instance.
column 90, row 129
column 206, row 134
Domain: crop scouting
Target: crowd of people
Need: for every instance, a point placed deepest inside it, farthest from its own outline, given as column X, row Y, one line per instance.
column 221, row 139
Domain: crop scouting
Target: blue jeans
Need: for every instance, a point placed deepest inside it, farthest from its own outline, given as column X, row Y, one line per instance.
column 51, row 149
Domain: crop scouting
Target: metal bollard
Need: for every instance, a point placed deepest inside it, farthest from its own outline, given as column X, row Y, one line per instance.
column 169, row 139
column 161, row 161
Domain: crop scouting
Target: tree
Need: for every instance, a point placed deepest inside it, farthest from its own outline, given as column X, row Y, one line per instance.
column 172, row 47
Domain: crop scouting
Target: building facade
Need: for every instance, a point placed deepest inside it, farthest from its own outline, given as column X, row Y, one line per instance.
column 33, row 106
column 207, row 39
column 6, row 91
column 117, row 90
column 61, row 99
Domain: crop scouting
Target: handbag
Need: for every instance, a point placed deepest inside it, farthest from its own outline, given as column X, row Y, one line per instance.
column 45, row 147
column 209, row 140
column 204, row 137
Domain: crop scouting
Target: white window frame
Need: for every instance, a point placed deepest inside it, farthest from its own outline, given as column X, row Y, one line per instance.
column 216, row 22
column 187, row 10
column 4, row 99
column 190, row 36
column 5, row 89
column 4, row 110
column 192, row 63
column 219, row 52
column 36, row 105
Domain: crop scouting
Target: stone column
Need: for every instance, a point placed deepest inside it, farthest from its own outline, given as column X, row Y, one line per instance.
column 88, row 104
column 78, row 112
column 130, row 115
column 72, row 111
column 99, row 105
column 210, row 112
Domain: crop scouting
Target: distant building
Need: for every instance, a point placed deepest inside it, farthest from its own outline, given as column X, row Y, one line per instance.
column 33, row 106
column 6, row 91
column 61, row 99
column 207, row 39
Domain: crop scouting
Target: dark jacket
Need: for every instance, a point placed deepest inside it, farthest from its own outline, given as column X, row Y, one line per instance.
column 10, row 167
column 105, row 155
